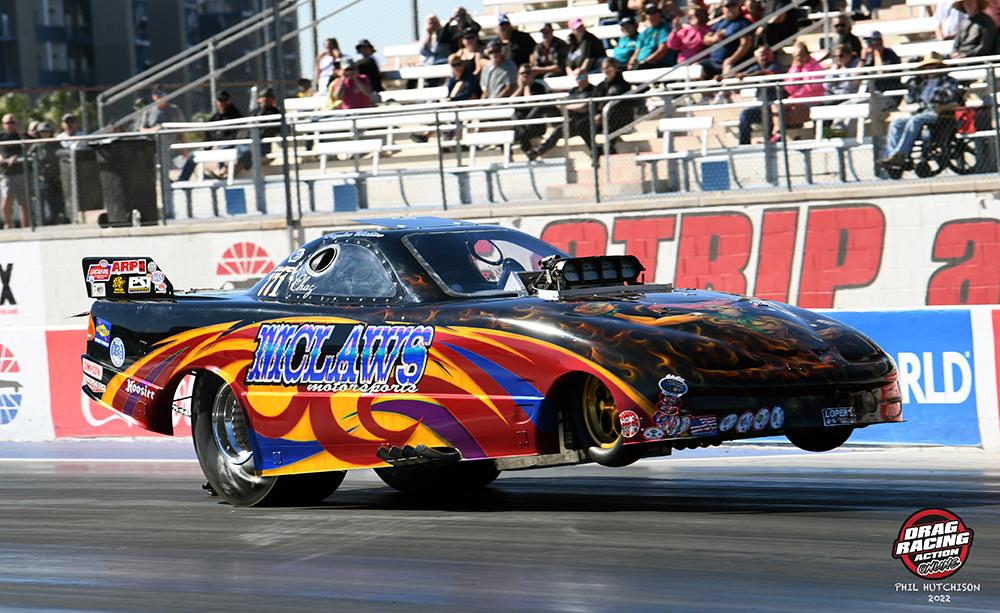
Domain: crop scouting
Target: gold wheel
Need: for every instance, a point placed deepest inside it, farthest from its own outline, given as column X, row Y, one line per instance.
column 600, row 414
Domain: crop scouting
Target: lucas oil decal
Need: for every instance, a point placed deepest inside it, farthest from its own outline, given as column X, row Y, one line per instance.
column 370, row 359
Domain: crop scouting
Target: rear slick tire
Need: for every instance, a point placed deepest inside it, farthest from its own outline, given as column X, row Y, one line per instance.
column 222, row 435
column 448, row 479
column 819, row 440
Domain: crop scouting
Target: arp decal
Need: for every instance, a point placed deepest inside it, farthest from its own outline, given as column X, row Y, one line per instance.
column 371, row 359
column 103, row 270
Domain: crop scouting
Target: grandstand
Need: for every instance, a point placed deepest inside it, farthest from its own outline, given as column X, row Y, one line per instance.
column 414, row 149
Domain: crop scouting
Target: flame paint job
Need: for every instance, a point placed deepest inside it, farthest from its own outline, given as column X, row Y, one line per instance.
column 492, row 366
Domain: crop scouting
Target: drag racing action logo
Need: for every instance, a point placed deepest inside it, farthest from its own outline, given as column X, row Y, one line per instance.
column 10, row 386
column 293, row 354
column 933, row 544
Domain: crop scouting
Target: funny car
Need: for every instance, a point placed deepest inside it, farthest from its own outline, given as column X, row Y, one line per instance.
column 441, row 352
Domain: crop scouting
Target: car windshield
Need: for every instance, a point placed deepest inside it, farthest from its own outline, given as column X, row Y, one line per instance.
column 479, row 262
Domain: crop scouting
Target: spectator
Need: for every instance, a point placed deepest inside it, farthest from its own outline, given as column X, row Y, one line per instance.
column 652, row 50
column 160, row 113
column 303, row 88
column 472, row 59
column 585, row 49
column 877, row 54
column 627, row 43
column 626, row 9
column 332, row 102
column 50, row 194
column 977, row 35
column 267, row 104
column 457, row 27
column 781, row 28
column 549, row 57
column 765, row 64
column 844, row 59
column 870, row 7
column 434, row 49
column 517, row 45
column 843, row 35
column 579, row 117
column 934, row 94
column 614, row 84
column 70, row 129
column 461, row 85
column 722, row 60
column 527, row 86
column 351, row 88
column 368, row 65
column 32, row 131
column 325, row 63
column 688, row 39
column 948, row 20
column 224, row 109
column 499, row 75
column 13, row 183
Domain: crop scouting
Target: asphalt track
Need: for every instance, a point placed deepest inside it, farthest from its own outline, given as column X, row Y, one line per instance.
column 744, row 530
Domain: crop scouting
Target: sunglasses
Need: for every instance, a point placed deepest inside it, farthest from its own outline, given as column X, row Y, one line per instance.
column 10, row 123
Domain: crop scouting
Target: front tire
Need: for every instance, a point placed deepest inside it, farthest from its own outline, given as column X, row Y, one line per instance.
column 597, row 427
column 430, row 479
column 222, row 435
column 819, row 440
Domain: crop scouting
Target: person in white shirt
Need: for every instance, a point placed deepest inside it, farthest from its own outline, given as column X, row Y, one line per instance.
column 948, row 20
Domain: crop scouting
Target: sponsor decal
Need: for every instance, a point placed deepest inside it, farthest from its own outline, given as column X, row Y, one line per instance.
column 777, row 418
column 6, row 292
column 630, row 423
column 98, row 290
column 118, row 285
column 161, row 288
column 662, row 418
column 138, row 389
column 678, row 426
column 244, row 260
column 296, row 255
column 103, row 270
column 138, row 285
column 371, row 359
column 151, row 267
column 761, row 419
column 653, row 433
column 672, row 385
column 839, row 416
column 933, row 544
column 10, row 386
column 357, row 234
column 93, row 369
column 117, row 352
column 95, row 386
column 157, row 276
column 102, row 332
column 744, row 422
column 728, row 422
column 704, row 425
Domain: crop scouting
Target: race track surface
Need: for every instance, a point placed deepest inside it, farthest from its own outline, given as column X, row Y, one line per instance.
column 750, row 530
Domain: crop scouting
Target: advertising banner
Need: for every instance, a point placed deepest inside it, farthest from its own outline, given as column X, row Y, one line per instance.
column 24, row 390
column 73, row 413
column 21, row 279
column 933, row 350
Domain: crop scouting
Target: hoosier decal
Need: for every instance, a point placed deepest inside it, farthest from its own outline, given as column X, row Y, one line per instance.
column 372, row 359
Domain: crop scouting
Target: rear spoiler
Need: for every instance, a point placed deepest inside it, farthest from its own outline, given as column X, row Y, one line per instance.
column 126, row 278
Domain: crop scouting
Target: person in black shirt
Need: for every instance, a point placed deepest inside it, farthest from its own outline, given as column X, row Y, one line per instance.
column 267, row 104
column 614, row 84
column 457, row 26
column 527, row 86
column 780, row 28
column 877, row 54
column 224, row 109
column 368, row 64
column 843, row 35
column 585, row 49
column 517, row 45
column 13, row 186
column 549, row 57
column 579, row 117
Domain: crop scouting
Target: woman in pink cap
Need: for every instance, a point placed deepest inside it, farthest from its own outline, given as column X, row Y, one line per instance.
column 585, row 49
column 686, row 38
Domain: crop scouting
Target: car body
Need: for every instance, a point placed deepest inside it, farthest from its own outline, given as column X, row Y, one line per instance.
column 437, row 343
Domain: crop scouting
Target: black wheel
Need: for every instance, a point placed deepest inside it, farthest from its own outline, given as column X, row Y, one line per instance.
column 819, row 440
column 442, row 479
column 597, row 428
column 932, row 161
column 962, row 157
column 222, row 443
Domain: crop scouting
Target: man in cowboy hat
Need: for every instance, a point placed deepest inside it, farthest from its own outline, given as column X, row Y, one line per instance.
column 933, row 93
column 977, row 34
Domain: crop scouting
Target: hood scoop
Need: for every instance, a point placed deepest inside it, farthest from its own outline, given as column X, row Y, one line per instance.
column 591, row 277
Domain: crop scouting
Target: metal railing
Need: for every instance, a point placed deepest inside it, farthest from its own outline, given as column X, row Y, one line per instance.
column 466, row 156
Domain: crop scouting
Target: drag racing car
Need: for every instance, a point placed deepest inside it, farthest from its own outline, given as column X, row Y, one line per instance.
column 440, row 353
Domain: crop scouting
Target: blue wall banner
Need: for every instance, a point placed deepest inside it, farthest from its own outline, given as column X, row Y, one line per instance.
column 934, row 354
